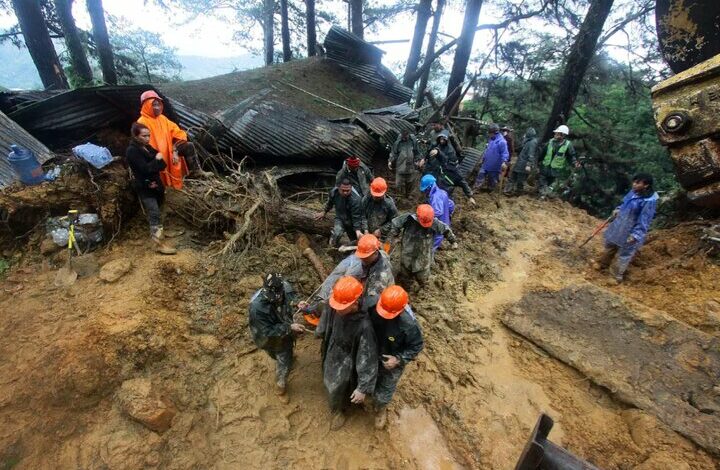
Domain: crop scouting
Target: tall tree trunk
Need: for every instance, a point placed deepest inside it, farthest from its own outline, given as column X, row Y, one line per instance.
column 423, row 15
column 39, row 44
column 311, row 28
column 78, row 57
column 285, row 31
column 462, row 52
column 432, row 40
column 268, row 32
column 356, row 17
column 102, row 41
column 580, row 56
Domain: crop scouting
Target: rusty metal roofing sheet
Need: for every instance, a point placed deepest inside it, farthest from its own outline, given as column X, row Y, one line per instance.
column 274, row 130
column 73, row 116
column 11, row 133
column 363, row 60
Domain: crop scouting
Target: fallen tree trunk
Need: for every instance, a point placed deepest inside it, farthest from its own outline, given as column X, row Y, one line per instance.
column 646, row 358
column 316, row 262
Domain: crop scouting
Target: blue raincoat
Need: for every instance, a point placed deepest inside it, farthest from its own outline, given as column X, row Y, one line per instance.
column 633, row 220
column 443, row 207
column 495, row 154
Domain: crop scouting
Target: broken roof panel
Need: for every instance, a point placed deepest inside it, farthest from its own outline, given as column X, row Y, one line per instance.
column 385, row 128
column 74, row 116
column 275, row 130
column 12, row 134
column 363, row 60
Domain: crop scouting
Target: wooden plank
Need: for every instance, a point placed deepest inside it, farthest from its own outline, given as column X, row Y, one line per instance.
column 645, row 357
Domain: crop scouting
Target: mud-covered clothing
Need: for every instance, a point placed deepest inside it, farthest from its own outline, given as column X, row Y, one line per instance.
column 146, row 170
column 379, row 214
column 404, row 155
column 528, row 154
column 349, row 356
column 360, row 177
column 633, row 220
column 449, row 152
column 443, row 206
column 416, row 251
column 348, row 214
column 375, row 278
column 400, row 337
column 496, row 154
column 270, row 328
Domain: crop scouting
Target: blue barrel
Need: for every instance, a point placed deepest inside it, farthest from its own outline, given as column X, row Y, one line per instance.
column 26, row 165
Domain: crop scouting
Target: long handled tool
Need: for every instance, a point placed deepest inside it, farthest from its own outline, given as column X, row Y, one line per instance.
column 597, row 230
column 66, row 276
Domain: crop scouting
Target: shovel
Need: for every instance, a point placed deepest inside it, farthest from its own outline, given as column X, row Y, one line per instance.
column 66, row 276
column 597, row 230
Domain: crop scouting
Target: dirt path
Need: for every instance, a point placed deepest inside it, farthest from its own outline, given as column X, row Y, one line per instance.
column 469, row 401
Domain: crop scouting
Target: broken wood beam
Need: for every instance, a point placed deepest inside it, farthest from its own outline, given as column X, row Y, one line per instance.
column 317, row 263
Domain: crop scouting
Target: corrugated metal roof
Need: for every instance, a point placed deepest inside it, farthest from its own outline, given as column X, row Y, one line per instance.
column 363, row 60
column 67, row 118
column 385, row 128
column 11, row 101
column 470, row 159
column 275, row 130
column 11, row 133
column 402, row 111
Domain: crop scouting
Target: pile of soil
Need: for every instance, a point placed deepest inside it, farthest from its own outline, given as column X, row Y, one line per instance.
column 174, row 331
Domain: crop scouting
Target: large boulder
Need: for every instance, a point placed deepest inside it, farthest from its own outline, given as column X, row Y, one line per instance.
column 140, row 401
column 115, row 269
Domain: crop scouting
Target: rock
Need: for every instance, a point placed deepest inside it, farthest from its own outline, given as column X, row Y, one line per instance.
column 48, row 247
column 115, row 269
column 143, row 403
column 85, row 265
column 208, row 343
column 663, row 461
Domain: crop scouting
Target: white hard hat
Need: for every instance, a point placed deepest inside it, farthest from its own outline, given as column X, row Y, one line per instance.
column 562, row 129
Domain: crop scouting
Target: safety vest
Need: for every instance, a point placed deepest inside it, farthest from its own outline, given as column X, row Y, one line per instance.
column 556, row 162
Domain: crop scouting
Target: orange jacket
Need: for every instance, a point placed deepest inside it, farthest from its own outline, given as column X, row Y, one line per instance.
column 163, row 133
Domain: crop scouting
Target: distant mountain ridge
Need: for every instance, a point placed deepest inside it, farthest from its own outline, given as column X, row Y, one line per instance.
column 18, row 71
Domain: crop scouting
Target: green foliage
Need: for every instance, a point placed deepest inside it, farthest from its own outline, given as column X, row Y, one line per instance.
column 612, row 128
column 4, row 266
column 143, row 57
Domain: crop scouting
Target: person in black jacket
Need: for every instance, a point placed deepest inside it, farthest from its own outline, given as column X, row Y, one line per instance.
column 349, row 218
column 146, row 163
column 399, row 340
column 272, row 326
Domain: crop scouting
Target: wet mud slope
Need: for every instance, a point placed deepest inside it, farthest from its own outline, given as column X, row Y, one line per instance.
column 157, row 369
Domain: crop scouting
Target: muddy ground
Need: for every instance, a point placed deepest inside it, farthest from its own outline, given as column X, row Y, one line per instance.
column 180, row 323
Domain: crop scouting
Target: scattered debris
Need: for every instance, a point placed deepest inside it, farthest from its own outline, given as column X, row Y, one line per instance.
column 115, row 269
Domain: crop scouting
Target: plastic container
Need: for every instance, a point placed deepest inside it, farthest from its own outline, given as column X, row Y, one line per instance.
column 26, row 165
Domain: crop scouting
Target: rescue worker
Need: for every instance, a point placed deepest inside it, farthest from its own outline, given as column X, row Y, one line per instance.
column 368, row 264
column 170, row 141
column 445, row 168
column 418, row 231
column 379, row 209
column 557, row 156
column 435, row 129
column 626, row 233
column 357, row 173
column 495, row 159
column 403, row 159
column 348, row 213
column 440, row 201
column 272, row 327
column 349, row 350
column 399, row 340
column 510, row 141
column 146, row 163
column 525, row 163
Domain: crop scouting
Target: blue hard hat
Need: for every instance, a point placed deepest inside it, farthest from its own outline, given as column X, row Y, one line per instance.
column 427, row 182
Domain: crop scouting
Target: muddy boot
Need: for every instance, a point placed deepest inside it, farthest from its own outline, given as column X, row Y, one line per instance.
column 161, row 247
column 281, row 392
column 381, row 418
column 338, row 420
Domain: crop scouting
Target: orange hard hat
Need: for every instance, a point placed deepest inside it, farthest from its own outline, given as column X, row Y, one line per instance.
column 312, row 318
column 425, row 215
column 367, row 246
column 150, row 94
column 392, row 301
column 378, row 187
column 345, row 292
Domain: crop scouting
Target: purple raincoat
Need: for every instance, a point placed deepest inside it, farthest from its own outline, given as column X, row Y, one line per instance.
column 443, row 207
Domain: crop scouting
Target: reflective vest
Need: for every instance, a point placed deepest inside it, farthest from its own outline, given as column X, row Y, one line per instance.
column 557, row 161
